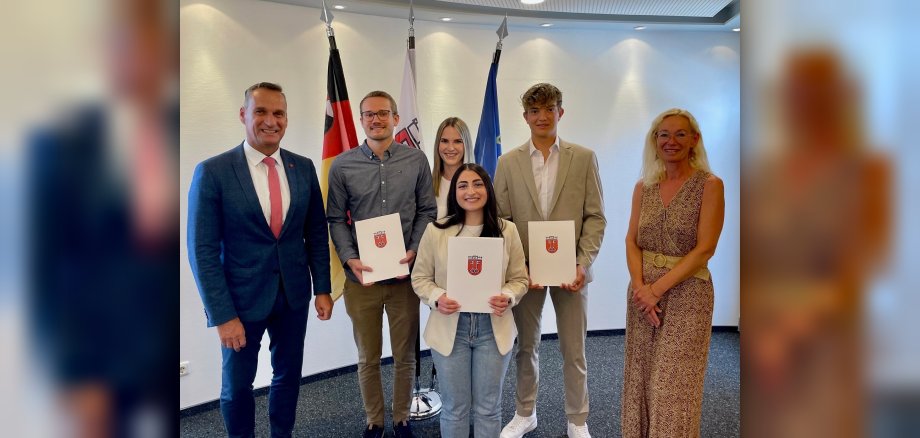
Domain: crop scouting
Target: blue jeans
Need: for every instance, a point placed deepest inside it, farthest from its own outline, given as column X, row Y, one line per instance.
column 471, row 378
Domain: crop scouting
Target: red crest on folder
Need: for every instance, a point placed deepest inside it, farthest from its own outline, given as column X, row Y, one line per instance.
column 552, row 244
column 380, row 239
column 474, row 265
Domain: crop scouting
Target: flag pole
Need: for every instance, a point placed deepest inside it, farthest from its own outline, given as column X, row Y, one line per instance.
column 327, row 17
column 426, row 402
column 502, row 33
column 411, row 41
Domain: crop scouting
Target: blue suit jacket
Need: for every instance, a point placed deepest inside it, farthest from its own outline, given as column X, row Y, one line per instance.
column 235, row 257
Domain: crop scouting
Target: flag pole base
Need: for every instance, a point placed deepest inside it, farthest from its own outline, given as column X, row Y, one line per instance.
column 426, row 403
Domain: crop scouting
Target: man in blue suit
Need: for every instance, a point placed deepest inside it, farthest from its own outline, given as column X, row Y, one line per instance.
column 257, row 237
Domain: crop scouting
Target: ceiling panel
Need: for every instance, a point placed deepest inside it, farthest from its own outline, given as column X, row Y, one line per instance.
column 706, row 15
column 674, row 8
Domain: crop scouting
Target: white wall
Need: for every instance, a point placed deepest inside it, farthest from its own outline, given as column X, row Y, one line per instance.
column 614, row 83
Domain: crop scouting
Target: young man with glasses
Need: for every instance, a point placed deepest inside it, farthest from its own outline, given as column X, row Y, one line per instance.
column 549, row 179
column 381, row 177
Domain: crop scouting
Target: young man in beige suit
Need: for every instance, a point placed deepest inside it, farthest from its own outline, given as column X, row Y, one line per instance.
column 556, row 180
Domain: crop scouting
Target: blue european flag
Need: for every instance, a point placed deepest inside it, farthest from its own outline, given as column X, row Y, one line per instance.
column 488, row 139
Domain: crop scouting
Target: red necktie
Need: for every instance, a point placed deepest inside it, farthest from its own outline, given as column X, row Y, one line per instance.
column 274, row 196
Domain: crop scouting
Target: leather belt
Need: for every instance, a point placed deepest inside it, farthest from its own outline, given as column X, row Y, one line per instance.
column 660, row 260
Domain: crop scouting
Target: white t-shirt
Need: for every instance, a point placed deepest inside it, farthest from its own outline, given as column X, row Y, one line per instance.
column 470, row 231
column 442, row 197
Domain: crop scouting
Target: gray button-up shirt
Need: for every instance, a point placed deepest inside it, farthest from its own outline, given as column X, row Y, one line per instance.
column 368, row 187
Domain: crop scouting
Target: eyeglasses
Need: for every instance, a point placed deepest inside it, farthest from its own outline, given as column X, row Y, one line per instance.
column 665, row 135
column 382, row 115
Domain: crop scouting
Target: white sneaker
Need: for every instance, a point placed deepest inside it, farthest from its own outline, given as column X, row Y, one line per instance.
column 519, row 425
column 578, row 431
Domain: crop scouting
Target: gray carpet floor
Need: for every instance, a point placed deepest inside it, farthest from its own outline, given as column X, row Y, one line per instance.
column 332, row 408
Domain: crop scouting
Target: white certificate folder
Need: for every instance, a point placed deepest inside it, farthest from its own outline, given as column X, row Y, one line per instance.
column 474, row 271
column 552, row 252
column 381, row 246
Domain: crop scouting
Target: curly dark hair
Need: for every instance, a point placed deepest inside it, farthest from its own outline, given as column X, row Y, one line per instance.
column 541, row 94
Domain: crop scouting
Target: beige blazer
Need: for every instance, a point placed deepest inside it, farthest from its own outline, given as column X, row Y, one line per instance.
column 578, row 196
column 429, row 279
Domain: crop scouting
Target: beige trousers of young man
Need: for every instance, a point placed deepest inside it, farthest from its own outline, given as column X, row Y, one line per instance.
column 365, row 305
column 572, row 324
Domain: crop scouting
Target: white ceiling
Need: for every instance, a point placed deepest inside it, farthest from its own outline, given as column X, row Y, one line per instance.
column 670, row 15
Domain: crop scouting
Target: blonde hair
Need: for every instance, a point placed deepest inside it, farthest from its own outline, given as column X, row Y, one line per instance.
column 653, row 170
column 438, row 168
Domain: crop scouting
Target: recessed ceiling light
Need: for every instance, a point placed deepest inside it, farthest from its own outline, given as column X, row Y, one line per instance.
column 546, row 25
column 639, row 27
column 446, row 18
column 339, row 7
column 737, row 29
column 531, row 2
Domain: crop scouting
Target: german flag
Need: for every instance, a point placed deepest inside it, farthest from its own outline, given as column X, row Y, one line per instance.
column 339, row 136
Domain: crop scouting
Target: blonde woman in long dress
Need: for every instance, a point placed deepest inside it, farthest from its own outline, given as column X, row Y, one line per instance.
column 677, row 212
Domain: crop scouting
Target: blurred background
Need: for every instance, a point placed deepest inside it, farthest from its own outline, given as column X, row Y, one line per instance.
column 89, row 223
column 829, row 215
column 90, row 219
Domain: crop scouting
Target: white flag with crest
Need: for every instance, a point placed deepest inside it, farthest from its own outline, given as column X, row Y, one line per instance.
column 408, row 130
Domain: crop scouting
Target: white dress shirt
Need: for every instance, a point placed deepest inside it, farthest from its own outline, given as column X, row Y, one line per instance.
column 544, row 174
column 259, row 172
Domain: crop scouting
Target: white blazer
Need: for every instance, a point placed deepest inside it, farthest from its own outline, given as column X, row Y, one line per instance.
column 429, row 278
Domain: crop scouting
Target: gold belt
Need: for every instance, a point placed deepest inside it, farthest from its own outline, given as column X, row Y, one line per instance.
column 660, row 260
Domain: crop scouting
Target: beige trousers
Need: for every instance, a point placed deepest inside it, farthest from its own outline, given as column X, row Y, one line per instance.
column 572, row 323
column 365, row 306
